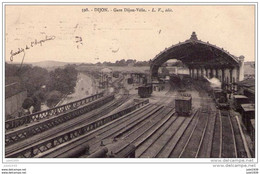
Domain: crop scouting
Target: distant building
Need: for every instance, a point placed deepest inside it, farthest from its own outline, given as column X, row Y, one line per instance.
column 15, row 95
column 105, row 77
column 106, row 70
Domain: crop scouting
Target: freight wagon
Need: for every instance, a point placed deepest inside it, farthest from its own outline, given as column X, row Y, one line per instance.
column 130, row 80
column 145, row 91
column 238, row 100
column 248, row 113
column 183, row 105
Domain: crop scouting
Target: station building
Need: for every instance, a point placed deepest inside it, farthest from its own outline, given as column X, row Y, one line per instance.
column 15, row 95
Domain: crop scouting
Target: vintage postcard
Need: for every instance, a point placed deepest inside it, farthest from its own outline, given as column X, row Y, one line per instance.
column 170, row 81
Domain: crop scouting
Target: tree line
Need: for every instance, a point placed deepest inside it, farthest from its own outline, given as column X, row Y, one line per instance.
column 121, row 62
column 41, row 85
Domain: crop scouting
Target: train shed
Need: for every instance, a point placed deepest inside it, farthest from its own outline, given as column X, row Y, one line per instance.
column 203, row 60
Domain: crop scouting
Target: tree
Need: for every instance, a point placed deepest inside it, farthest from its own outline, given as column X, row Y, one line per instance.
column 34, row 78
column 63, row 80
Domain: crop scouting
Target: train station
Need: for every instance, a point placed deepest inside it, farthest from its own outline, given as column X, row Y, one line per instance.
column 203, row 109
column 135, row 84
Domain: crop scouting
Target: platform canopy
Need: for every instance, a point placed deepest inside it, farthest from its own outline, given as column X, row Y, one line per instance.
column 195, row 54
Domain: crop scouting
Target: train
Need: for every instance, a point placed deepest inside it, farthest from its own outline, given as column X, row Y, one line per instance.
column 220, row 98
column 145, row 91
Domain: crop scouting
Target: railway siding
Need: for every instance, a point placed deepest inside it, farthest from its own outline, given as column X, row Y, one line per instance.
column 161, row 142
column 91, row 136
column 207, row 142
column 185, row 136
column 109, row 134
column 239, row 141
column 47, row 144
column 171, row 144
column 193, row 143
column 17, row 135
column 217, row 137
column 228, row 144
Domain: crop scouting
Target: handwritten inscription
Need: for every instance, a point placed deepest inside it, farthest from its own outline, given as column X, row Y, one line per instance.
column 29, row 46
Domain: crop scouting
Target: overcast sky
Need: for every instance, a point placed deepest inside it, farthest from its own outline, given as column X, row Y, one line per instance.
column 77, row 36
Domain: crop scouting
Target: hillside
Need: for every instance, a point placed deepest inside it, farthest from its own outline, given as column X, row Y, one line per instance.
column 49, row 63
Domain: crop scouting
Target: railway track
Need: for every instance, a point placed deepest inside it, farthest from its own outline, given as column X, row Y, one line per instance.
column 160, row 140
column 113, row 131
column 61, row 114
column 228, row 139
column 167, row 150
column 194, row 142
column 233, row 145
column 84, row 119
column 241, row 147
column 66, row 136
column 96, row 136
column 27, row 131
column 157, row 132
column 217, row 136
column 205, row 147
column 13, row 124
column 143, row 133
column 182, row 137
column 209, row 134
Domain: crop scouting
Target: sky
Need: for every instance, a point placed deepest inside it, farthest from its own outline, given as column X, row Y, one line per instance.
column 70, row 34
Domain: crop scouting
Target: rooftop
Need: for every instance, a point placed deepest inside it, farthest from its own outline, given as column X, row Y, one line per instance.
column 13, row 86
column 248, row 107
column 240, row 96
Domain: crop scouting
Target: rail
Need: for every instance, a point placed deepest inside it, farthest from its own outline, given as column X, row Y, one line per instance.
column 16, row 122
column 52, row 142
column 17, row 135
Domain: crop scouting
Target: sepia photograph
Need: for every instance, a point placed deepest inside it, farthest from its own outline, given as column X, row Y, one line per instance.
column 162, row 81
